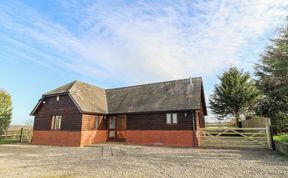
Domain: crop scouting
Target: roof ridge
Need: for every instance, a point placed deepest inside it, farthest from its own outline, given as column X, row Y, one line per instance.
column 146, row 84
column 72, row 85
column 89, row 84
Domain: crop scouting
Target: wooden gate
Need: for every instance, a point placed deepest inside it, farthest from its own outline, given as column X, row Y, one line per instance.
column 235, row 137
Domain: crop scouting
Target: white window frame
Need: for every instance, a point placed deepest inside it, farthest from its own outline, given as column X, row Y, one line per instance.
column 171, row 119
column 168, row 118
column 57, row 98
column 56, row 122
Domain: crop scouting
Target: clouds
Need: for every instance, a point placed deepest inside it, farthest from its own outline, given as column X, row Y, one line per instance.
column 140, row 41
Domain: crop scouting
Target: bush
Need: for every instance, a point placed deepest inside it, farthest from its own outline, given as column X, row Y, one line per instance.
column 279, row 123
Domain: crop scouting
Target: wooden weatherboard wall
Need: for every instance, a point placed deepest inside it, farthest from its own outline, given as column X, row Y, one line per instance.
column 71, row 117
column 71, row 122
column 157, row 121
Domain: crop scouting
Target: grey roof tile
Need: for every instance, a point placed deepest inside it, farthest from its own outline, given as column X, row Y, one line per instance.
column 184, row 94
column 162, row 96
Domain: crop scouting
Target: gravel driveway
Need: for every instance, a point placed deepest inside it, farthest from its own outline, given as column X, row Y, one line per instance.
column 117, row 160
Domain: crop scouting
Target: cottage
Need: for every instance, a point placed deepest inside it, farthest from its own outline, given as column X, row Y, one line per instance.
column 78, row 114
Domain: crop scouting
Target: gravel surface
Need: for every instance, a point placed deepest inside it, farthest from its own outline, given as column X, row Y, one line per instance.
column 117, row 160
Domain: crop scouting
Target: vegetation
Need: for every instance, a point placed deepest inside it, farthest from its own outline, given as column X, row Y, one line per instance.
column 8, row 141
column 235, row 96
column 272, row 73
column 281, row 138
column 5, row 110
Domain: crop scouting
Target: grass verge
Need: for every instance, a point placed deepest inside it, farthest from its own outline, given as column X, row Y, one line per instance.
column 8, row 141
column 281, row 138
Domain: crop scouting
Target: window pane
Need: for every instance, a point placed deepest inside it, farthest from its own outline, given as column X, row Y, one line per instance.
column 168, row 118
column 112, row 123
column 174, row 118
column 59, row 122
column 96, row 122
column 111, row 133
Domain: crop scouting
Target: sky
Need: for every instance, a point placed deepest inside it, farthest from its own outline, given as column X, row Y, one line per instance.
column 45, row 44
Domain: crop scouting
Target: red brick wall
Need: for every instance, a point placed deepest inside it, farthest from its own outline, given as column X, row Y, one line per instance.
column 93, row 137
column 60, row 138
column 180, row 138
column 68, row 138
column 142, row 137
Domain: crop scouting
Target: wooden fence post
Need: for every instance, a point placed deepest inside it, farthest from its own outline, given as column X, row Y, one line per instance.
column 272, row 141
column 269, row 140
column 21, row 135
column 199, row 136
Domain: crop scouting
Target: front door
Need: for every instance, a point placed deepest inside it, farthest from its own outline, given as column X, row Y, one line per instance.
column 117, row 128
column 112, row 128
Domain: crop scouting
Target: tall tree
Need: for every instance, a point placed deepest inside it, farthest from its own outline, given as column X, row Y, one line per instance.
column 5, row 110
column 272, row 73
column 234, row 96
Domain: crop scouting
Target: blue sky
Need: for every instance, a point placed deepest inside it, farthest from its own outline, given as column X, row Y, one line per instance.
column 45, row 44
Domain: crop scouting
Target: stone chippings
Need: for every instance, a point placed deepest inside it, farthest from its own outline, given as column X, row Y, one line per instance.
column 117, row 160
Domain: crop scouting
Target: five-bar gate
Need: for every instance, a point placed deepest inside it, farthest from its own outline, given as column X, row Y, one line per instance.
column 235, row 137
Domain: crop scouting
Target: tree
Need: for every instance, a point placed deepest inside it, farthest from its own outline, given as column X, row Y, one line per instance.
column 235, row 95
column 276, row 110
column 272, row 73
column 5, row 110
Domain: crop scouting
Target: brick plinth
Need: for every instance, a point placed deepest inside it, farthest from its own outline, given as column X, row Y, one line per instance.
column 93, row 137
column 60, row 138
column 176, row 138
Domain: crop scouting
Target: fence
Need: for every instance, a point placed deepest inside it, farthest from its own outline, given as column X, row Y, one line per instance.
column 219, row 124
column 21, row 135
column 235, row 137
column 255, row 133
column 257, row 122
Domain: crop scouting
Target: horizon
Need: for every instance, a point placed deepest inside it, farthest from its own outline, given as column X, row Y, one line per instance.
column 46, row 44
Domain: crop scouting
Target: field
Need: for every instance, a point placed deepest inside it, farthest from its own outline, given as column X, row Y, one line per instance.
column 18, row 127
column 117, row 160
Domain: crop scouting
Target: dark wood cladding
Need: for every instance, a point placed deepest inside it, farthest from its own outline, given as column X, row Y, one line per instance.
column 157, row 121
column 64, row 106
column 71, row 117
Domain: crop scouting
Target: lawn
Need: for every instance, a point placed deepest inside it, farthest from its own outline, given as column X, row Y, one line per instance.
column 281, row 138
column 8, row 141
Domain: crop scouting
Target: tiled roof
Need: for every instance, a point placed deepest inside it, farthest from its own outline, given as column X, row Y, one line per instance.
column 184, row 94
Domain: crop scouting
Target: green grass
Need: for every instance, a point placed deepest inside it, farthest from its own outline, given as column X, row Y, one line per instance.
column 281, row 138
column 8, row 141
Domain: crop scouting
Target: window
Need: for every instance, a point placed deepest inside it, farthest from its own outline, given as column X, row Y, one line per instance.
column 56, row 122
column 57, row 98
column 168, row 118
column 112, row 122
column 171, row 118
column 97, row 122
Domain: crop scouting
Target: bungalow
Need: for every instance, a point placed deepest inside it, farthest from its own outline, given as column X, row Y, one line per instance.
column 78, row 114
